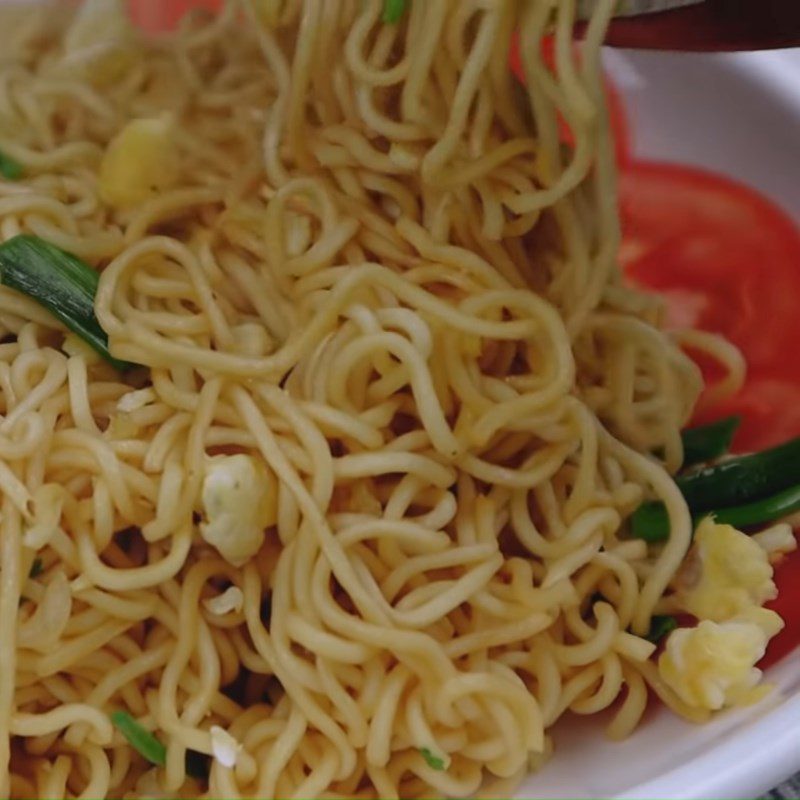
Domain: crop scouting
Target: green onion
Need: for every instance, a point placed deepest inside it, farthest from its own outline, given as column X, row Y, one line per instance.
column 393, row 11
column 144, row 742
column 139, row 738
column 661, row 625
column 707, row 442
column 768, row 509
column 10, row 169
column 36, row 568
column 742, row 479
column 651, row 522
column 433, row 761
column 60, row 282
column 743, row 491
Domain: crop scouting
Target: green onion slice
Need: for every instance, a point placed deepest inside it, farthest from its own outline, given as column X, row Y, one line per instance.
column 140, row 738
column 661, row 625
column 60, row 282
column 433, row 761
column 707, row 442
column 393, row 11
column 10, row 169
column 651, row 522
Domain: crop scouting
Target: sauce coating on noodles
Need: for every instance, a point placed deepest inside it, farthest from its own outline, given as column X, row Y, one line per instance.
column 358, row 524
column 727, row 261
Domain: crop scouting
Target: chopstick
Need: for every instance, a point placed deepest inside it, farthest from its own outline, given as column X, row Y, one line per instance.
column 714, row 25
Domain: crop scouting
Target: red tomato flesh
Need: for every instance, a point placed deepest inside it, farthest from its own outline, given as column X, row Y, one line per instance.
column 787, row 604
column 728, row 261
column 157, row 16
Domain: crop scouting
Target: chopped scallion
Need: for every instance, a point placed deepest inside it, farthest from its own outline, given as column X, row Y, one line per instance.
column 10, row 169
column 433, row 761
column 742, row 479
column 393, row 11
column 661, row 625
column 60, row 282
column 743, row 491
column 707, row 442
column 650, row 522
column 140, row 738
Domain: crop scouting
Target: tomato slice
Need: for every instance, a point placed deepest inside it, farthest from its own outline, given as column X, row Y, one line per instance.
column 787, row 604
column 156, row 16
column 727, row 260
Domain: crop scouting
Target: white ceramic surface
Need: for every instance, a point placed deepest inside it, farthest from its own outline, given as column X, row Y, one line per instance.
column 739, row 115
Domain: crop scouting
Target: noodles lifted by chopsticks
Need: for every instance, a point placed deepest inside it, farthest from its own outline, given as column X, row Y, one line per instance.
column 355, row 525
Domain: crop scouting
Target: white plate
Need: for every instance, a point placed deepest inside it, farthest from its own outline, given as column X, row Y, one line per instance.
column 739, row 115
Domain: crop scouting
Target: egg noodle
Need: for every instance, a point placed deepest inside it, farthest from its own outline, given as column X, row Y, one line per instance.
column 355, row 527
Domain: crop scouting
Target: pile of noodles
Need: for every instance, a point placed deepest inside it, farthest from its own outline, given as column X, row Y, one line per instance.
column 383, row 275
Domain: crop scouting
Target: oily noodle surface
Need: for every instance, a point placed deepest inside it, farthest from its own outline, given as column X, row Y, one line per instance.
column 381, row 275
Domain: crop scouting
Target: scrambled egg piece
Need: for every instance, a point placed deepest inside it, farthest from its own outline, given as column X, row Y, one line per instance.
column 725, row 574
column 713, row 665
column 239, row 499
column 725, row 580
column 776, row 541
column 141, row 160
